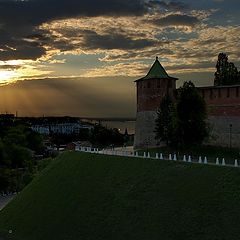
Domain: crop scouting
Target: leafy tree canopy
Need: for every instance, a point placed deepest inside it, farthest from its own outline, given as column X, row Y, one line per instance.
column 191, row 114
column 227, row 73
column 182, row 122
column 166, row 121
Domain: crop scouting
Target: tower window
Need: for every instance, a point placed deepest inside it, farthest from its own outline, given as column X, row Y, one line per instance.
column 158, row 83
column 148, row 85
column 237, row 92
column 219, row 93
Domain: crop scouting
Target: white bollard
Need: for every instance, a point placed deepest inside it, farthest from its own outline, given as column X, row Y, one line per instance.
column 148, row 155
column 205, row 160
column 217, row 161
column 136, row 154
column 157, row 156
column 184, row 158
column 236, row 163
column 223, row 162
column 170, row 157
column 200, row 159
column 175, row 157
column 189, row 159
column 161, row 156
column 144, row 154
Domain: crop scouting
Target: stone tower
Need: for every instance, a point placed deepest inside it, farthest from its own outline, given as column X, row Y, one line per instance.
column 150, row 91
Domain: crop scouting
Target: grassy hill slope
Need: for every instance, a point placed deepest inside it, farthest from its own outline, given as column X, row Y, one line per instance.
column 85, row 196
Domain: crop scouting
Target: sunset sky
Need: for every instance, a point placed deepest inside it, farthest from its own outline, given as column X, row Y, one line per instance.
column 80, row 58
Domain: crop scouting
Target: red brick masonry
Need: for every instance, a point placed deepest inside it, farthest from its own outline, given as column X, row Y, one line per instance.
column 222, row 100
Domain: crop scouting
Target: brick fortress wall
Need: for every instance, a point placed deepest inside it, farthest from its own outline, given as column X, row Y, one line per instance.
column 224, row 114
column 223, row 104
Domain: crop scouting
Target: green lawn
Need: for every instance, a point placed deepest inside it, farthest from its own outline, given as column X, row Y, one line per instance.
column 86, row 196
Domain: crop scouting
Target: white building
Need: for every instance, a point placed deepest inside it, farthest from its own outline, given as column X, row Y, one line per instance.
column 61, row 128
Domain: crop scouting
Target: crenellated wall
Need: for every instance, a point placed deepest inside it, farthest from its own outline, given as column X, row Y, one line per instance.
column 222, row 101
column 223, row 104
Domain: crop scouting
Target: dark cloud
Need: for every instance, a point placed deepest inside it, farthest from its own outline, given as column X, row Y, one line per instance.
column 172, row 5
column 9, row 67
column 19, row 21
column 149, row 54
column 177, row 20
column 21, row 50
column 92, row 40
column 34, row 12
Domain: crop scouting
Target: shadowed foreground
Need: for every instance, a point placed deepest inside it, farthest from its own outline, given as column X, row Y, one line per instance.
column 87, row 196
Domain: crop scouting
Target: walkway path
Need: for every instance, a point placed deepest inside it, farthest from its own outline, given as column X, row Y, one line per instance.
column 171, row 157
column 4, row 200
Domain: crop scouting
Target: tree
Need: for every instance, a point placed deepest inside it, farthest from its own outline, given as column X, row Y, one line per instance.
column 166, row 121
column 182, row 123
column 227, row 73
column 191, row 115
column 101, row 136
column 18, row 143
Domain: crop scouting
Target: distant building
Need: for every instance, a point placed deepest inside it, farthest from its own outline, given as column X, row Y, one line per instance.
column 223, row 104
column 61, row 128
column 42, row 129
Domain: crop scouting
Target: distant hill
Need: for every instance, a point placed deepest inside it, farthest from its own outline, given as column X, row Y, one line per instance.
column 85, row 196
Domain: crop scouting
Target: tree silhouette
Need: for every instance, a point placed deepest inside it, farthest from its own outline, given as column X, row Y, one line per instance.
column 182, row 124
column 166, row 121
column 227, row 73
column 191, row 113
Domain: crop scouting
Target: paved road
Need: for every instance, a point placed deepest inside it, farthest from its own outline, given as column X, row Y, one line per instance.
column 4, row 200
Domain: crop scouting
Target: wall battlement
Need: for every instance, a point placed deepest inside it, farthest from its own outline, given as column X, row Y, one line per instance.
column 222, row 100
column 223, row 103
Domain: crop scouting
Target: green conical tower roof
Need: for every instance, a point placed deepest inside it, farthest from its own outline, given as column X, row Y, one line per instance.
column 156, row 71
